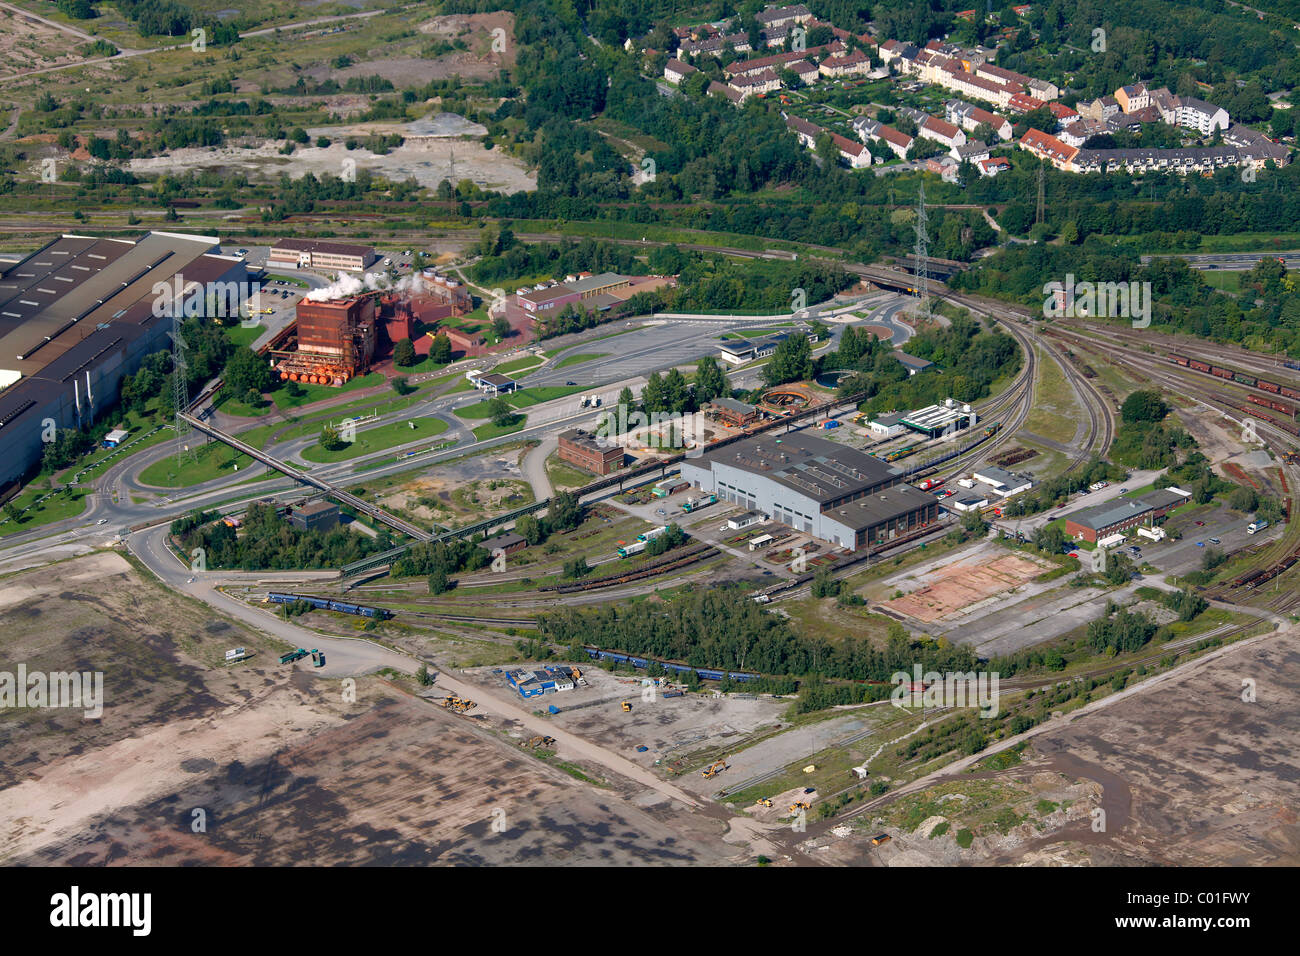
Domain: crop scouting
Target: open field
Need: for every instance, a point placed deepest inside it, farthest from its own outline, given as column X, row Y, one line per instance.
column 283, row 769
column 1187, row 774
column 377, row 439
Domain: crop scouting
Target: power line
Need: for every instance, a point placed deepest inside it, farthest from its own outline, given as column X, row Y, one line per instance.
column 180, row 391
column 922, row 254
column 1041, row 194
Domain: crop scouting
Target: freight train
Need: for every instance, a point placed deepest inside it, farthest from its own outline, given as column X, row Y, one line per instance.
column 1241, row 378
column 1272, row 403
column 596, row 653
column 330, row 604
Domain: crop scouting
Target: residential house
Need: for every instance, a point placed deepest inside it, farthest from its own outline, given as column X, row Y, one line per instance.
column 675, row 71
column 994, row 165
column 1201, row 116
column 783, row 16
column 971, row 152
column 1133, row 97
column 1049, row 148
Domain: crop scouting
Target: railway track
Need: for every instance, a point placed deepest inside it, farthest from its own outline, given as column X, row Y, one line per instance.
column 1220, row 398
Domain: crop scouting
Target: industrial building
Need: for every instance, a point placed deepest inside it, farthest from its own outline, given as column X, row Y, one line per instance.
column 581, row 448
column 82, row 312
column 319, row 254
column 1005, row 483
column 835, row 493
column 934, row 421
column 315, row 516
column 887, row 426
column 1114, row 517
column 335, row 341
column 547, row 680
column 732, row 413
column 507, row 543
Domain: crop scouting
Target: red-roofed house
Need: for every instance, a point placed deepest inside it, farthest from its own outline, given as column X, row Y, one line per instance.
column 1063, row 113
column 941, row 132
column 1020, row 103
column 993, row 165
column 1049, row 148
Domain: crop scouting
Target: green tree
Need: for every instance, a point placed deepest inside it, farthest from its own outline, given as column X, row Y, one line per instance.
column 404, row 353
column 440, row 349
column 710, row 381
column 565, row 513
column 246, row 370
column 331, row 439
column 1144, row 405
column 791, row 362
column 439, row 583
column 500, row 411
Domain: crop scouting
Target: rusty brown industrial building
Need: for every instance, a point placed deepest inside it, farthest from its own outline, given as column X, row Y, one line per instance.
column 583, row 449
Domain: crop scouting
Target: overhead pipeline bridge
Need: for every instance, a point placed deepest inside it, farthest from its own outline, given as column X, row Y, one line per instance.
column 338, row 494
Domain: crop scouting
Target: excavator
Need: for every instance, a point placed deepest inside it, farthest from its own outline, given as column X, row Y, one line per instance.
column 800, row 805
column 458, row 704
column 627, row 707
column 714, row 769
column 542, row 741
column 763, row 802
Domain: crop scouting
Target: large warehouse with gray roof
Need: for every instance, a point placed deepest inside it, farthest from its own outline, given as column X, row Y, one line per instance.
column 828, row 490
column 79, row 314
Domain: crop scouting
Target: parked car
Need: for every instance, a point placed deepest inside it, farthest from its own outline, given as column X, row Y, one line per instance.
column 1215, row 541
column 1200, row 524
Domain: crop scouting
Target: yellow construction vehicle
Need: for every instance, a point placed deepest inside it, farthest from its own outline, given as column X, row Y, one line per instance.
column 541, row 741
column 627, row 707
column 800, row 805
column 458, row 704
column 714, row 769
column 762, row 802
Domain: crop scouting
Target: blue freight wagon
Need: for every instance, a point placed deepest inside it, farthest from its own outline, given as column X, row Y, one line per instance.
column 330, row 604
column 643, row 662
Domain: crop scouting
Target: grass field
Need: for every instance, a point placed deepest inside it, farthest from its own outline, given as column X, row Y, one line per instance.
column 377, row 439
column 53, row 509
column 491, row 430
column 210, row 461
column 563, row 475
column 244, row 336
column 1224, row 281
column 1056, row 412
column 518, row 365
column 524, row 398
column 318, row 393
column 578, row 359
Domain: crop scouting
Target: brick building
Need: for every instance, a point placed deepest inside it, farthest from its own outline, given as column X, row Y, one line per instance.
column 583, row 449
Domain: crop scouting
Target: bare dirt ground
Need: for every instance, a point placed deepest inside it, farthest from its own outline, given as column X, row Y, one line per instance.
column 28, row 45
column 965, row 582
column 461, row 489
column 428, row 161
column 1187, row 774
column 284, row 769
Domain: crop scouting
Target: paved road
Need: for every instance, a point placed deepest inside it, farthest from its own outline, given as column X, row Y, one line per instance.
column 1230, row 261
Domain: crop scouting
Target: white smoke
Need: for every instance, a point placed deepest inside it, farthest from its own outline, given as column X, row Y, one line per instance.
column 347, row 286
